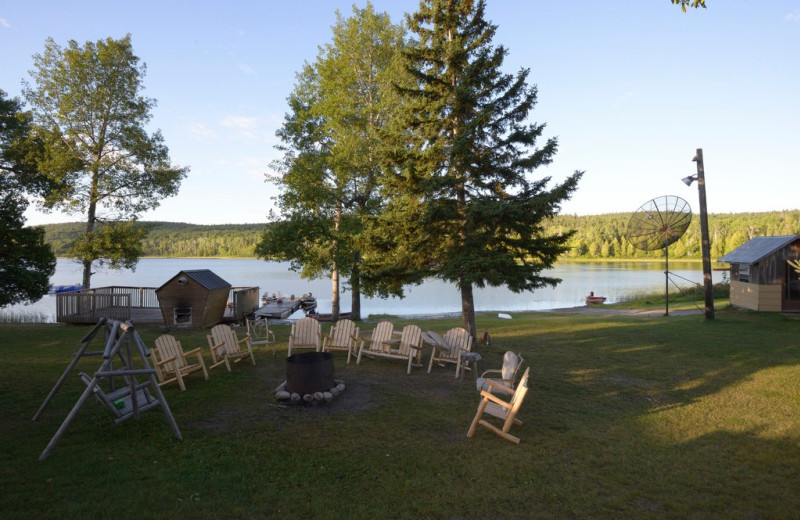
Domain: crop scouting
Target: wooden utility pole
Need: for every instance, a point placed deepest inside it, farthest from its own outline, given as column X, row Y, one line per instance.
column 708, row 285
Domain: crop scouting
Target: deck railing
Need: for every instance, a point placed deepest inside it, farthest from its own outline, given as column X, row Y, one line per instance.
column 141, row 297
column 89, row 307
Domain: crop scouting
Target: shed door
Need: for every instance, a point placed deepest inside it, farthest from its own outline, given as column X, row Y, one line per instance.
column 791, row 289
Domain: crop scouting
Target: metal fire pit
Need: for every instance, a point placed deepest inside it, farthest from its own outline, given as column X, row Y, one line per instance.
column 309, row 378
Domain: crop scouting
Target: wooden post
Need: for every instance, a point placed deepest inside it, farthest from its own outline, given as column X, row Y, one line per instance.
column 705, row 246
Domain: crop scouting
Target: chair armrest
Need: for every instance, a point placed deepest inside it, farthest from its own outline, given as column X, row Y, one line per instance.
column 167, row 360
column 486, row 394
column 492, row 383
column 217, row 346
column 192, row 352
column 492, row 371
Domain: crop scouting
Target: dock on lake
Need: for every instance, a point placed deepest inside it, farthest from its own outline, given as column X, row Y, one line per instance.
column 279, row 309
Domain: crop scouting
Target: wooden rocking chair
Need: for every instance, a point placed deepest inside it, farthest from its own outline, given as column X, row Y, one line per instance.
column 171, row 364
column 343, row 336
column 226, row 347
column 505, row 410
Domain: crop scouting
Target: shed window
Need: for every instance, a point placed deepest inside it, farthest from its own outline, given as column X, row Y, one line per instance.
column 744, row 273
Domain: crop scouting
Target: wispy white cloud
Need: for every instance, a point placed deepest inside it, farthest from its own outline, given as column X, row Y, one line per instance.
column 245, row 127
column 247, row 69
column 794, row 16
column 199, row 131
column 5, row 23
column 623, row 99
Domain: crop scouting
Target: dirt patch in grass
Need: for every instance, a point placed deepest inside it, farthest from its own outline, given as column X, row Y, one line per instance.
column 363, row 392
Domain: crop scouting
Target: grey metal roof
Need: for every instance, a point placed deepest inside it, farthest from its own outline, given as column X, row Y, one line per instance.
column 207, row 279
column 756, row 249
column 204, row 277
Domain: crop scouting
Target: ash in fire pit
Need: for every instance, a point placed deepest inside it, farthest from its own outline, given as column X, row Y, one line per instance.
column 310, row 378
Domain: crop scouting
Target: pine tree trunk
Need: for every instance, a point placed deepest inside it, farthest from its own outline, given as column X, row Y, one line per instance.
column 468, row 309
column 355, row 287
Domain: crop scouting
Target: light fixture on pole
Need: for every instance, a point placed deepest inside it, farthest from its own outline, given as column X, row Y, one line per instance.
column 705, row 245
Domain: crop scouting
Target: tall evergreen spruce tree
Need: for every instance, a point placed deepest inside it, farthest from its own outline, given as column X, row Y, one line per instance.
column 460, row 204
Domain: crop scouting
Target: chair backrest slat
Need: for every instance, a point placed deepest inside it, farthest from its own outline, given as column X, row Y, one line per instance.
column 342, row 334
column 383, row 332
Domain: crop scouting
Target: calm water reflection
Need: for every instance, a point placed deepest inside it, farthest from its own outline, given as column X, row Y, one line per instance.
column 614, row 280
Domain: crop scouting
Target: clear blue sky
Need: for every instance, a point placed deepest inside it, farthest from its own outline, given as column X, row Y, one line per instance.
column 631, row 88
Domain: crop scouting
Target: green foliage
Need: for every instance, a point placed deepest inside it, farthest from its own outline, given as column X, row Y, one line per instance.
column 26, row 261
column 115, row 244
column 172, row 239
column 97, row 156
column 461, row 205
column 603, row 236
column 690, row 3
column 328, row 175
column 592, row 232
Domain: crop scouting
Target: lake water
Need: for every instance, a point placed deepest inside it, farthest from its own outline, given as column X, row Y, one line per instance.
column 614, row 280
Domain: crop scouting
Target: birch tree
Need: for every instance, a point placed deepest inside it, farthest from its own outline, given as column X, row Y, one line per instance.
column 331, row 166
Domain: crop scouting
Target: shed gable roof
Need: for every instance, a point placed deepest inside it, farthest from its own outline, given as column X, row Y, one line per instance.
column 205, row 277
column 756, row 249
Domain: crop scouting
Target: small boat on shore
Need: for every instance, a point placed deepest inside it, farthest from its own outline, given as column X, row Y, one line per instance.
column 595, row 300
column 327, row 317
column 55, row 289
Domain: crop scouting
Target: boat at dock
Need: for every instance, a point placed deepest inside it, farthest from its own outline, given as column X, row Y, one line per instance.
column 280, row 307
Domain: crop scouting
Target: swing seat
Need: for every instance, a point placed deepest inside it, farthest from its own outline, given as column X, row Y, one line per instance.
column 119, row 401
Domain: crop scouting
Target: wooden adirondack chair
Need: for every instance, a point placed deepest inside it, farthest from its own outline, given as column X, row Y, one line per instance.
column 504, row 410
column 506, row 376
column 383, row 332
column 171, row 363
column 456, row 341
column 408, row 346
column 259, row 333
column 226, row 347
column 343, row 336
column 306, row 333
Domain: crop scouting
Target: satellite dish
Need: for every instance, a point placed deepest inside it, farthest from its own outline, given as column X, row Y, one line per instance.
column 657, row 224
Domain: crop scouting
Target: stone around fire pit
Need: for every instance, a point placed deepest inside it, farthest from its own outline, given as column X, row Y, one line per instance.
column 309, row 379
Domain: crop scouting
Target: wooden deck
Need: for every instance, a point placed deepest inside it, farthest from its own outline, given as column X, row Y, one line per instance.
column 137, row 304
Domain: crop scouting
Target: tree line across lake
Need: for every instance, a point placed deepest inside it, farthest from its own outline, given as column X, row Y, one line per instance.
column 596, row 237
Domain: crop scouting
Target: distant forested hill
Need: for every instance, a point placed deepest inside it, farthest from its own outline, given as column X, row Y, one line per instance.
column 173, row 239
column 597, row 236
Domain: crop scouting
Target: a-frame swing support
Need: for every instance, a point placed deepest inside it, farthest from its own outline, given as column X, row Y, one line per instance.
column 128, row 400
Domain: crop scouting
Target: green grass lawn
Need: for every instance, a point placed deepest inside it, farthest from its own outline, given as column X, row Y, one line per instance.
column 627, row 417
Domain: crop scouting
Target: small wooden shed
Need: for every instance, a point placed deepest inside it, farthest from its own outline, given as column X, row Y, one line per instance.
column 194, row 298
column 761, row 277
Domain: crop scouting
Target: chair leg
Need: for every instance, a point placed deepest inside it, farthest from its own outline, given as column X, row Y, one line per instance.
column 477, row 418
column 179, row 377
